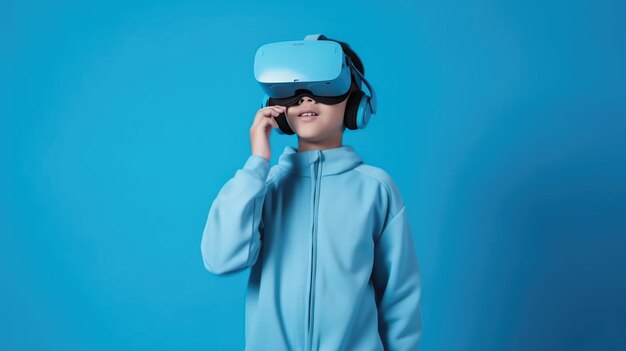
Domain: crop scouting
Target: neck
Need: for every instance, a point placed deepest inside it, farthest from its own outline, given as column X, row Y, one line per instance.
column 306, row 145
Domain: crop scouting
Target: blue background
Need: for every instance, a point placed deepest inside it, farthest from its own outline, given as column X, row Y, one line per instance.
column 502, row 122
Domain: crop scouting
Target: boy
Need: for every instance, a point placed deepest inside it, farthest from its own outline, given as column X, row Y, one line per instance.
column 327, row 237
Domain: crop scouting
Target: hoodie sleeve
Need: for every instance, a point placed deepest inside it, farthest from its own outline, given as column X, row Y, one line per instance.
column 231, row 237
column 397, row 286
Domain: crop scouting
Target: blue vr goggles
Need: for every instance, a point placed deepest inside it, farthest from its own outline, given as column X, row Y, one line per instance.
column 316, row 67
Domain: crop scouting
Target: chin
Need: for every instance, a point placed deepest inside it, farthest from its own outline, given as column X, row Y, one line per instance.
column 309, row 136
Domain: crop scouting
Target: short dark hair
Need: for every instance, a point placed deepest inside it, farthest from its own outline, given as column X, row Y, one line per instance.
column 358, row 64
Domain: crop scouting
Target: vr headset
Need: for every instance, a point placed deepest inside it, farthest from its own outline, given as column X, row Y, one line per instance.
column 316, row 67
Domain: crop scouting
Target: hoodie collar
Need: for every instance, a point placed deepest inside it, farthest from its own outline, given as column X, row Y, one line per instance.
column 335, row 160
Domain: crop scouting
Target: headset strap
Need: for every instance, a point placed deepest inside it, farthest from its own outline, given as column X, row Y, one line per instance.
column 369, row 87
column 313, row 37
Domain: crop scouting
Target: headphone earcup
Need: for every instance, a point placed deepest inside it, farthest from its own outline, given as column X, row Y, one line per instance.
column 364, row 112
column 350, row 116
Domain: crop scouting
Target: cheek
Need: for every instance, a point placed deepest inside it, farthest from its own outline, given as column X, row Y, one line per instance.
column 337, row 114
column 290, row 114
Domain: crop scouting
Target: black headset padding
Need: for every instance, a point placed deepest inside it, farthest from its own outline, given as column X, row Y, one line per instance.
column 283, row 125
column 349, row 119
column 351, row 109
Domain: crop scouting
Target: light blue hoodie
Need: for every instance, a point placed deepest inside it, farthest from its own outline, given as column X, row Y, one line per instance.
column 328, row 239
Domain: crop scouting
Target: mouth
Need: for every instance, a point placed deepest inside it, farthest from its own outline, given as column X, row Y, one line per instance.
column 308, row 115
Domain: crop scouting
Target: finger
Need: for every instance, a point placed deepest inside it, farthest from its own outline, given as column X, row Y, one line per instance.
column 276, row 108
column 280, row 108
column 273, row 115
column 263, row 122
column 272, row 122
column 271, row 112
column 265, row 113
column 267, row 110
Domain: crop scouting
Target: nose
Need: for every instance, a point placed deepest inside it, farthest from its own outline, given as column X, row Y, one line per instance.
column 306, row 98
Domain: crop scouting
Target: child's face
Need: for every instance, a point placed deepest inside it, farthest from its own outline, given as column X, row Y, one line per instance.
column 327, row 125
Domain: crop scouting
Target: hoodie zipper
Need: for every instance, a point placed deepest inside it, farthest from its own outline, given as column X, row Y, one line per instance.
column 313, row 263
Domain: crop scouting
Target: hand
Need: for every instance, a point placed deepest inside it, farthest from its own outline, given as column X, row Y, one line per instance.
column 262, row 127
